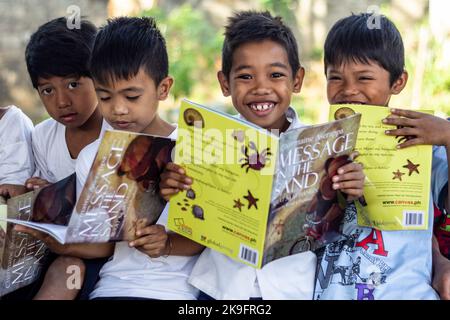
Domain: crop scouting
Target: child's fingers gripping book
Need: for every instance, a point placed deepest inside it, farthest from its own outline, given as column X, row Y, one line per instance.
column 257, row 196
column 397, row 187
column 121, row 193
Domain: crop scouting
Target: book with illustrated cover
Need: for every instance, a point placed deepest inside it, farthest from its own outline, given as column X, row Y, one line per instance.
column 397, row 187
column 121, row 192
column 22, row 257
column 257, row 196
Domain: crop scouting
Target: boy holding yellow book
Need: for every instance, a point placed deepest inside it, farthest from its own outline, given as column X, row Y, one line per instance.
column 366, row 66
column 260, row 72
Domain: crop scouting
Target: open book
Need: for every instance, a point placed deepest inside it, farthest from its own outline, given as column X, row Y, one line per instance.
column 257, row 196
column 397, row 187
column 121, row 193
column 22, row 256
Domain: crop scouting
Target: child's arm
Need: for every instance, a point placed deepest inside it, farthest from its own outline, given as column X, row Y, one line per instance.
column 155, row 242
column 80, row 250
column 423, row 129
column 441, row 272
column 173, row 179
column 350, row 179
column 11, row 190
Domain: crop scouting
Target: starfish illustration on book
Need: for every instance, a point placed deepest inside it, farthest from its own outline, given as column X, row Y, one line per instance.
column 251, row 200
column 398, row 175
column 238, row 204
column 412, row 167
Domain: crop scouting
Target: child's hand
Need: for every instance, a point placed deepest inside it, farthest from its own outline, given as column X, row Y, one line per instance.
column 350, row 179
column 421, row 127
column 173, row 179
column 36, row 183
column 153, row 241
column 49, row 241
column 11, row 190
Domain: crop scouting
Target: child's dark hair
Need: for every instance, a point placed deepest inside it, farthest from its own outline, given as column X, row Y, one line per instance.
column 124, row 46
column 251, row 26
column 356, row 38
column 56, row 50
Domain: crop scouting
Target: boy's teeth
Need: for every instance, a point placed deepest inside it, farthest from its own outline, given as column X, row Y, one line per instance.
column 261, row 106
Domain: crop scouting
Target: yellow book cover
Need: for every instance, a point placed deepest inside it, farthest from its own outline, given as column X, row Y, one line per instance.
column 257, row 197
column 397, row 187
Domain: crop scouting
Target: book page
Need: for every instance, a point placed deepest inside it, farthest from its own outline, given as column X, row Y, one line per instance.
column 231, row 164
column 397, row 187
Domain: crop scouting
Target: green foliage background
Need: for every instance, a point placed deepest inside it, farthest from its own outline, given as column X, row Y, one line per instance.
column 194, row 45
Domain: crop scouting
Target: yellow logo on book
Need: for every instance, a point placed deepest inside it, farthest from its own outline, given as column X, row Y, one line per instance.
column 179, row 223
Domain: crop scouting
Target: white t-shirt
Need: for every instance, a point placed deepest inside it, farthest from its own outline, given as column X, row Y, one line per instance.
column 223, row 278
column 131, row 273
column 367, row 264
column 52, row 157
column 51, row 154
column 16, row 156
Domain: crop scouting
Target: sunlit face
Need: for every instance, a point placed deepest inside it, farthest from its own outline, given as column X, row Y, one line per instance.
column 261, row 83
column 69, row 100
column 132, row 104
column 358, row 83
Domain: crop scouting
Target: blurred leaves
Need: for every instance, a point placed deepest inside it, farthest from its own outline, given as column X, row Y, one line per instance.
column 194, row 47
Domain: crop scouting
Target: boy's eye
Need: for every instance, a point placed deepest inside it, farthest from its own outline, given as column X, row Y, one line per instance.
column 133, row 98
column 73, row 85
column 365, row 78
column 104, row 98
column 244, row 77
column 46, row 91
column 277, row 75
column 334, row 78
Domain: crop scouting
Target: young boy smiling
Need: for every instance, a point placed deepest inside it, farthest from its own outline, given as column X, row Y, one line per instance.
column 366, row 66
column 260, row 71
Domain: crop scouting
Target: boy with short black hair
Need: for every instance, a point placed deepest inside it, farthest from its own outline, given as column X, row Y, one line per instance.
column 57, row 61
column 366, row 66
column 129, row 64
column 260, row 71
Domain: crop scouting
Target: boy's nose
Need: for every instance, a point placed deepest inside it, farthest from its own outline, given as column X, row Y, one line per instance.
column 350, row 89
column 262, row 87
column 62, row 99
column 120, row 109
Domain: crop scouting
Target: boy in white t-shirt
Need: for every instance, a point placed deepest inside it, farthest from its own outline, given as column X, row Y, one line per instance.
column 57, row 61
column 129, row 65
column 260, row 71
column 16, row 156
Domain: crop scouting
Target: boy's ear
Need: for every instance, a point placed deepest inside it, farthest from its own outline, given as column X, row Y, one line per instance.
column 298, row 80
column 164, row 88
column 400, row 83
column 224, row 84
